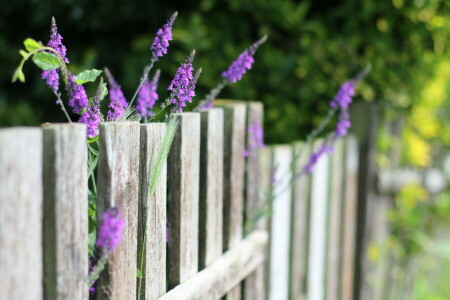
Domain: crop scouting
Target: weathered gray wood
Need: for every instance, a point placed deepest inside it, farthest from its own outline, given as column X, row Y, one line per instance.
column 118, row 182
column 334, row 234
column 152, row 212
column 211, row 186
column 233, row 179
column 65, row 212
column 21, row 213
column 300, row 223
column 183, row 200
column 350, row 215
column 225, row 272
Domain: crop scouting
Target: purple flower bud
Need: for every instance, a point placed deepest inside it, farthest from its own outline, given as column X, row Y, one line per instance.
column 344, row 96
column 111, row 229
column 147, row 96
column 92, row 118
column 243, row 63
column 117, row 103
column 51, row 78
column 78, row 99
column 56, row 41
column 162, row 38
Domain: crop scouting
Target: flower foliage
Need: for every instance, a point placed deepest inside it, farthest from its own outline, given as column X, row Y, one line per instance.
column 147, row 96
column 117, row 103
column 111, row 229
column 162, row 38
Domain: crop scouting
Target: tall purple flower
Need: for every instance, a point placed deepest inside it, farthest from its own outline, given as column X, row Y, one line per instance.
column 92, row 118
column 256, row 136
column 243, row 63
column 111, row 229
column 78, row 99
column 183, row 84
column 147, row 96
column 162, row 38
column 344, row 96
column 117, row 103
column 51, row 77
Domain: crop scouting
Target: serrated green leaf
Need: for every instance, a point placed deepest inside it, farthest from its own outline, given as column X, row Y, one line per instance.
column 87, row 76
column 31, row 45
column 18, row 74
column 24, row 54
column 139, row 273
column 46, row 60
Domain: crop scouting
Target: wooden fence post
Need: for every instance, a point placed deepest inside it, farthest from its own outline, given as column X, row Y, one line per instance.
column 233, row 180
column 118, row 181
column 21, row 213
column 153, row 211
column 65, row 212
column 318, row 230
column 183, row 200
column 280, row 227
column 300, row 224
column 211, row 186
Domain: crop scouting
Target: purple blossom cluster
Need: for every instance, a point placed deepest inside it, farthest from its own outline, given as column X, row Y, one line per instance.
column 92, row 118
column 111, row 229
column 344, row 96
column 147, row 96
column 256, row 137
column 117, row 103
column 78, row 99
column 183, row 84
column 325, row 148
column 162, row 38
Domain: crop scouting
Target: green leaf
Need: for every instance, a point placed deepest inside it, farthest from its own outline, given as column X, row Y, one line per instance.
column 24, row 54
column 18, row 74
column 46, row 60
column 93, row 140
column 139, row 273
column 104, row 92
column 86, row 76
column 31, row 45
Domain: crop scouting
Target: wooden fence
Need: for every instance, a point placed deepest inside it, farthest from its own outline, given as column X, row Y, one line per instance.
column 204, row 237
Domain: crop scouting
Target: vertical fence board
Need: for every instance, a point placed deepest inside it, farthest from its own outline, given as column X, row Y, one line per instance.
column 280, row 224
column 350, row 214
column 317, row 235
column 183, row 200
column 233, row 179
column 334, row 221
column 65, row 212
column 118, row 180
column 153, row 211
column 211, row 186
column 21, row 213
column 300, row 224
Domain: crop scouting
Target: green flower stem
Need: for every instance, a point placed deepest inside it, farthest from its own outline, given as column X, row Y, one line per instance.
column 99, row 267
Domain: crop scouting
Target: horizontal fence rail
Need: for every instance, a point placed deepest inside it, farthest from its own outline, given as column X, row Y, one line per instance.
column 226, row 219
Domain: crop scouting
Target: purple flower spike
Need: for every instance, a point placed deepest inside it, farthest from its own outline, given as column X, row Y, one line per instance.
column 111, row 230
column 243, row 63
column 51, row 78
column 78, row 99
column 183, row 84
column 256, row 137
column 162, row 38
column 147, row 96
column 92, row 118
column 344, row 96
column 117, row 103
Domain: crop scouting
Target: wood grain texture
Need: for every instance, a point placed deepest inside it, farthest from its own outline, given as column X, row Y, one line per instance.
column 118, row 182
column 21, row 213
column 318, row 229
column 152, row 212
column 65, row 212
column 183, row 200
column 233, row 180
column 225, row 272
column 350, row 217
column 300, row 224
column 280, row 230
column 334, row 255
column 211, row 186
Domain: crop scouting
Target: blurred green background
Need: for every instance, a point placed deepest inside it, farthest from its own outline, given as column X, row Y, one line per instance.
column 312, row 47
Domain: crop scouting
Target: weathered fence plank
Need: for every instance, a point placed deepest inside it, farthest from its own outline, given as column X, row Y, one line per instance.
column 118, row 181
column 300, row 223
column 183, row 200
column 334, row 235
column 318, row 230
column 280, row 223
column 211, row 186
column 65, row 212
column 233, row 180
column 153, row 211
column 349, row 218
column 21, row 213
column 225, row 272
